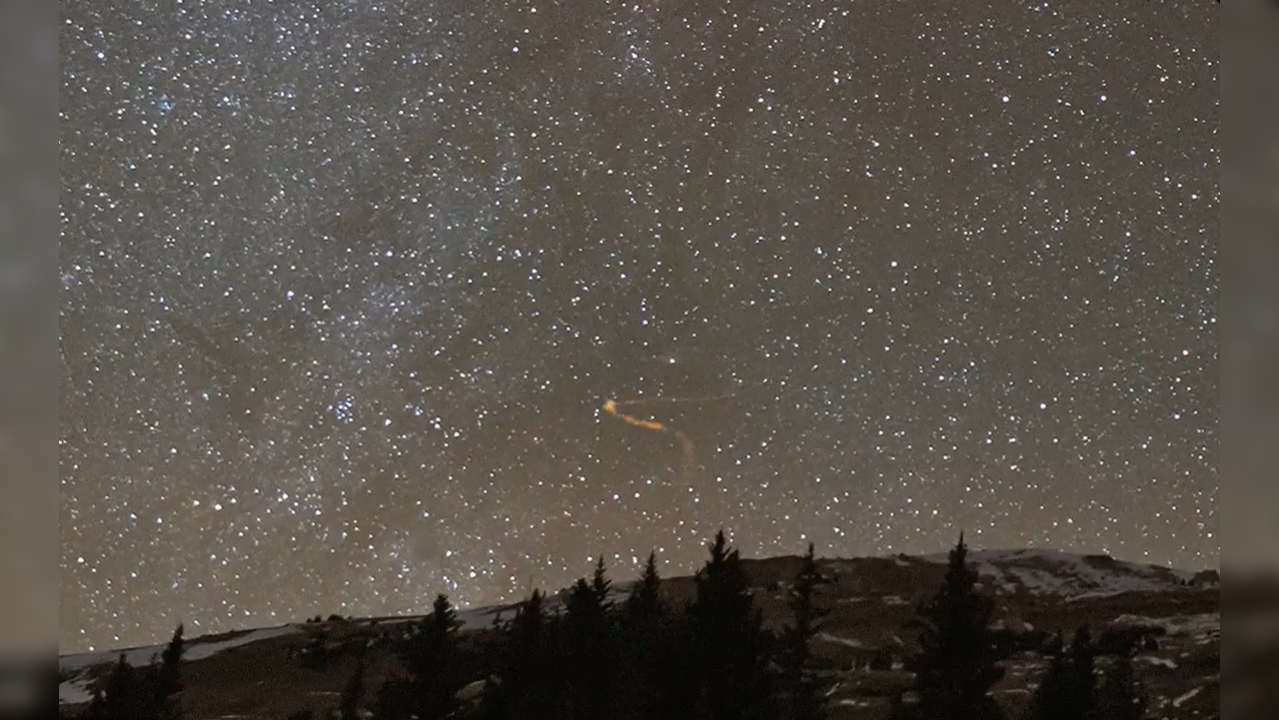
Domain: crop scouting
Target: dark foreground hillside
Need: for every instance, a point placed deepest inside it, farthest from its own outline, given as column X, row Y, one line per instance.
column 723, row 643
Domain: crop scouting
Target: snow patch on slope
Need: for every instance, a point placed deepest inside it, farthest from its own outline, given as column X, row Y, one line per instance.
column 76, row 689
column 847, row 642
column 136, row 657
column 199, row 651
column 74, row 692
column 191, row 651
column 1187, row 696
column 1203, row 624
column 1051, row 572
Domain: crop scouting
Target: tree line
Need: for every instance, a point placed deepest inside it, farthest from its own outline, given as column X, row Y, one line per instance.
column 642, row 656
column 150, row 692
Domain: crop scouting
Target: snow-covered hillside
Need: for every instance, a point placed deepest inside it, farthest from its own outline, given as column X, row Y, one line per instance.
column 1066, row 575
column 76, row 689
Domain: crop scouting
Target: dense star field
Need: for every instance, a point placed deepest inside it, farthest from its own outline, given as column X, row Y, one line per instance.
column 347, row 287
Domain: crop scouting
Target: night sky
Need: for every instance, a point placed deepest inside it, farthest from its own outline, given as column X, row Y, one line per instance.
column 346, row 288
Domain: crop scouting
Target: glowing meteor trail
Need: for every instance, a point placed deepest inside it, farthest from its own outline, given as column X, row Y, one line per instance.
column 610, row 407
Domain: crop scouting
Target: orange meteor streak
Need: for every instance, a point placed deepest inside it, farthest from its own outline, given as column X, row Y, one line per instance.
column 690, row 451
column 610, row 407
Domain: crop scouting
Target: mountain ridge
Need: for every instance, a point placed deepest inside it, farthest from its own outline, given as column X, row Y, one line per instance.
column 987, row 562
column 871, row 600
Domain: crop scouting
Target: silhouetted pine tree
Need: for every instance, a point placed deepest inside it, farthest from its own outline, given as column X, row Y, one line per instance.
column 429, row 656
column 588, row 650
column 168, row 678
column 601, row 584
column 1121, row 696
column 584, row 611
column 148, row 693
column 654, row 658
column 124, row 697
column 527, row 686
column 805, row 698
column 644, row 603
column 730, row 638
column 955, row 669
column 678, row 670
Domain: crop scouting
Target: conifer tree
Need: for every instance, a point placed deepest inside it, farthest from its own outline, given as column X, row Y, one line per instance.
column 587, row 644
column 528, row 627
column 123, row 699
column 601, row 584
column 584, row 609
column 168, row 678
column 148, row 693
column 644, row 602
column 806, row 701
column 429, row 656
column 731, row 641
column 956, row 669
column 653, row 658
column 679, row 672
column 526, row 686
